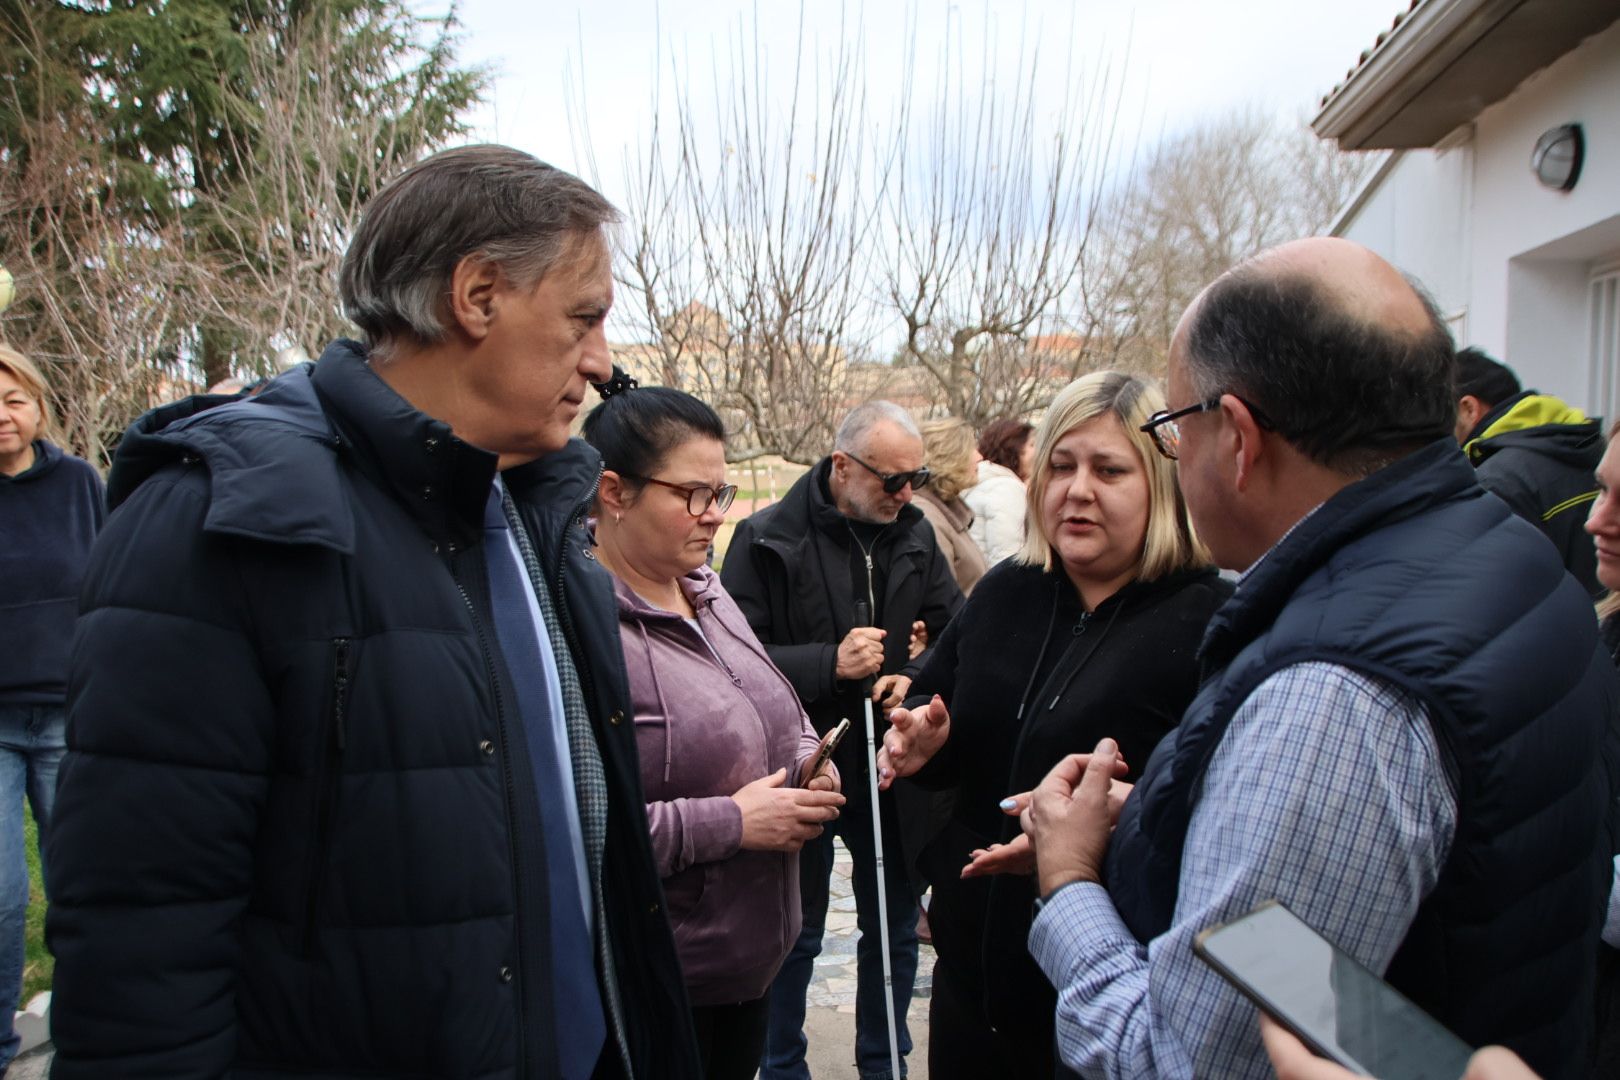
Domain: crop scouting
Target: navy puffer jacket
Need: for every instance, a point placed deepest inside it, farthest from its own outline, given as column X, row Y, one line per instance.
column 296, row 831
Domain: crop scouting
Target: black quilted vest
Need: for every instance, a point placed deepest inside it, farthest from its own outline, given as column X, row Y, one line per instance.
column 1417, row 577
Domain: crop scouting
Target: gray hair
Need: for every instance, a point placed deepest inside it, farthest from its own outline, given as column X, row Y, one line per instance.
column 852, row 433
column 491, row 202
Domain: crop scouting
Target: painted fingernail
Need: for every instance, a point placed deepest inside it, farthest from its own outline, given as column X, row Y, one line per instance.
column 1008, row 804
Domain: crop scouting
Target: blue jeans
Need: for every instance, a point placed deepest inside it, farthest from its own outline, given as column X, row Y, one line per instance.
column 785, row 1043
column 31, row 747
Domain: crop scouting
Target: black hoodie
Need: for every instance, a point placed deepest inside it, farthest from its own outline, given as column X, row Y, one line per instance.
column 1538, row 455
column 1030, row 676
column 49, row 516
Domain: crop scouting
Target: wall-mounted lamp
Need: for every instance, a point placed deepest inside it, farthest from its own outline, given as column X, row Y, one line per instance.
column 1557, row 158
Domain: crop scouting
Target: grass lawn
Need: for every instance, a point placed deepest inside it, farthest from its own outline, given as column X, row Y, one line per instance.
column 37, row 963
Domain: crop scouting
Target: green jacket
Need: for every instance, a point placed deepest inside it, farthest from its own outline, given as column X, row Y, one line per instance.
column 1538, row 455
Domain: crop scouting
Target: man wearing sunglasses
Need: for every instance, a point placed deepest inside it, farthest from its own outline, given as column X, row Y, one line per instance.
column 846, row 538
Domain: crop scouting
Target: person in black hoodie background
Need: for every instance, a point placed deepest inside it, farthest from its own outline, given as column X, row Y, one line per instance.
column 50, row 511
column 1532, row 451
column 1090, row 631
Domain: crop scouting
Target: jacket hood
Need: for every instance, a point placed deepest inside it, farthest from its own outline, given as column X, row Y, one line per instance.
column 256, row 449
column 1539, row 422
column 701, row 586
column 47, row 455
column 290, row 438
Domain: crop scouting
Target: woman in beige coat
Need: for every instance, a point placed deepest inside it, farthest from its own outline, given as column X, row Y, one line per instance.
column 953, row 460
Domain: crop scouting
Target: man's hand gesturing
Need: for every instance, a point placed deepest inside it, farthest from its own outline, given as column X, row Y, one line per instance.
column 1070, row 817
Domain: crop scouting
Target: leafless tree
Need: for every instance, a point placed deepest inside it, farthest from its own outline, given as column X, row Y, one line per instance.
column 991, row 217
column 317, row 156
column 749, row 218
column 96, row 296
column 1208, row 198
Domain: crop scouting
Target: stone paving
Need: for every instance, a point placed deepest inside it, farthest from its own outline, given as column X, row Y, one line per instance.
column 830, row 1024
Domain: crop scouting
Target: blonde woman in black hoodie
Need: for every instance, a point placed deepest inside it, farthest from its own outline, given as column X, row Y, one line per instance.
column 1091, row 630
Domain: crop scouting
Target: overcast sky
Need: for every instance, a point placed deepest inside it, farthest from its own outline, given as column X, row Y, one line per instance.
column 1187, row 58
column 1172, row 62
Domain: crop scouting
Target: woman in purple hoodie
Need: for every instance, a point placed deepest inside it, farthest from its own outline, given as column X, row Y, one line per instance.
column 724, row 743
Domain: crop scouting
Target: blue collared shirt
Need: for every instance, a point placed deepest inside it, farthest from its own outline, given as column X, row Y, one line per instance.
column 1329, row 792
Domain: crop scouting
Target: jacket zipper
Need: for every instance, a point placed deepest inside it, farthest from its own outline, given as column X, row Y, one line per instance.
column 866, row 553
column 511, row 799
column 792, row 781
column 328, row 776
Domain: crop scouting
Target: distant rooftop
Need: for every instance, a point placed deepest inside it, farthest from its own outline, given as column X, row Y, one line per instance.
column 1443, row 62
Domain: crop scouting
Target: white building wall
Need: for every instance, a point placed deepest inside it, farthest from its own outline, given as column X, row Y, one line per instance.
column 1533, row 248
column 1509, row 260
column 1416, row 216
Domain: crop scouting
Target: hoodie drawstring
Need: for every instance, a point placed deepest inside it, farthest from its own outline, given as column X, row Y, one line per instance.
column 1051, row 624
column 658, row 691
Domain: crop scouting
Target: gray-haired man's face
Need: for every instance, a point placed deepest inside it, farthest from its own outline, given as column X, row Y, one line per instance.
column 858, row 492
column 545, row 345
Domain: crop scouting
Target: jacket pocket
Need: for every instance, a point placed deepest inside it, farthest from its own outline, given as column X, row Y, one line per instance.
column 331, row 744
column 685, row 894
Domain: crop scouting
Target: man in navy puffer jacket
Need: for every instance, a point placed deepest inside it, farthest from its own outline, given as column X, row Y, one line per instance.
column 349, row 789
column 1405, row 730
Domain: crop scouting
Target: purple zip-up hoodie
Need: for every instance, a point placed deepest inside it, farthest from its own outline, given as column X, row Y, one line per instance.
column 712, row 715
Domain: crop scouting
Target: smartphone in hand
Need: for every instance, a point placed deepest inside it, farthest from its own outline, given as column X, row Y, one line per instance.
column 829, row 742
column 1336, row 1006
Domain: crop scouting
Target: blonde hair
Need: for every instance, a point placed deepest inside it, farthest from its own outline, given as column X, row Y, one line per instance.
column 950, row 446
column 22, row 369
column 1170, row 544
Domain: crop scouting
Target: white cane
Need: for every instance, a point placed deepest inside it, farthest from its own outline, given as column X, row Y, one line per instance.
column 861, row 619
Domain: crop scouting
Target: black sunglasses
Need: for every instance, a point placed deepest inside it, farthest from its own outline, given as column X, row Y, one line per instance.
column 1166, row 432
column 698, row 496
column 893, row 482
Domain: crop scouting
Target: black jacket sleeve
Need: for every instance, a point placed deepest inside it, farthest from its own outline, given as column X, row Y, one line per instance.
column 762, row 596
column 941, row 599
column 170, row 747
column 938, row 676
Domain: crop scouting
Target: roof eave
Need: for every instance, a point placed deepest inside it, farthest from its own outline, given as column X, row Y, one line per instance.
column 1432, row 35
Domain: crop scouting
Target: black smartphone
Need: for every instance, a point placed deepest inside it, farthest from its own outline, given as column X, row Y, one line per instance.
column 824, row 752
column 1337, row 1007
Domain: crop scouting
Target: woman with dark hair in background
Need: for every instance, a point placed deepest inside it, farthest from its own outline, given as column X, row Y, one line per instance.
column 1090, row 631
column 51, row 507
column 724, row 743
column 997, row 500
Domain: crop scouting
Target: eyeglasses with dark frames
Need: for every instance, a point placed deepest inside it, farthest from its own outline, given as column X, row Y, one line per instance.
column 893, row 482
column 1166, row 430
column 699, row 497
